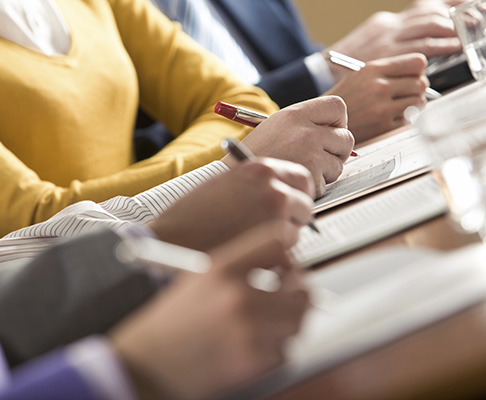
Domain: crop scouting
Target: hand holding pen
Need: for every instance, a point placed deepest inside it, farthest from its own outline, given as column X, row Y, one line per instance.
column 244, row 116
column 241, row 153
column 312, row 133
column 355, row 65
column 378, row 92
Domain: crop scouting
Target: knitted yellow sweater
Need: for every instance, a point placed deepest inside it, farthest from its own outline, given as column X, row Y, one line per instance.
column 66, row 122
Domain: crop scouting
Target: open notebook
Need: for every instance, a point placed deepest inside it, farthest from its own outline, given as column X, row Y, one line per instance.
column 379, row 165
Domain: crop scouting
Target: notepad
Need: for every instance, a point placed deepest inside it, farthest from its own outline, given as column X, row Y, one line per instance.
column 371, row 219
column 410, row 289
column 379, row 165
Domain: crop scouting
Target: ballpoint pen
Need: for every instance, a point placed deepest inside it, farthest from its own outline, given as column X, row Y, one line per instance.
column 241, row 153
column 244, row 116
column 355, row 65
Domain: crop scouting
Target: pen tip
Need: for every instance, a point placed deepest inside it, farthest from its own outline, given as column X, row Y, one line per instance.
column 313, row 226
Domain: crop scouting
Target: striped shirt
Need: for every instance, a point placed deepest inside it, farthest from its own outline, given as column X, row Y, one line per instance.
column 115, row 213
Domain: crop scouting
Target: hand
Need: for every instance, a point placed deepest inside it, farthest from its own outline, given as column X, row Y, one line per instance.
column 207, row 333
column 424, row 28
column 312, row 133
column 228, row 204
column 378, row 94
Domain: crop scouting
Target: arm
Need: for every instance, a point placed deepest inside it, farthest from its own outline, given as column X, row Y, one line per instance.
column 77, row 277
column 86, row 370
column 172, row 66
column 291, row 83
column 174, row 77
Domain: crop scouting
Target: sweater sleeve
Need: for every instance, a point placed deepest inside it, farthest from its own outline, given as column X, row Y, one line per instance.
column 179, row 85
column 180, row 82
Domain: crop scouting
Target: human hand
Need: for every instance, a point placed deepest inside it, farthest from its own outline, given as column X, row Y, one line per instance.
column 312, row 133
column 230, row 203
column 206, row 334
column 425, row 27
column 378, row 94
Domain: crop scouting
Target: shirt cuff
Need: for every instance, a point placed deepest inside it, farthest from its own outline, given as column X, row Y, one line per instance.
column 97, row 363
column 319, row 71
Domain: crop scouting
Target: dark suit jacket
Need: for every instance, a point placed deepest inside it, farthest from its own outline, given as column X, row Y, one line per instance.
column 72, row 290
column 277, row 38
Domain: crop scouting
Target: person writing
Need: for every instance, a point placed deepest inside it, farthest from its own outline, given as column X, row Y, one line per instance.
column 201, row 337
column 141, row 354
column 69, row 107
column 282, row 58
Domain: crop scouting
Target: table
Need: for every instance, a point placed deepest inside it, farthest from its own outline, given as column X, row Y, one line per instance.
column 446, row 360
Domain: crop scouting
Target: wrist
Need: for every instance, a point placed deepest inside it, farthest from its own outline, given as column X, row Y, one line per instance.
column 229, row 161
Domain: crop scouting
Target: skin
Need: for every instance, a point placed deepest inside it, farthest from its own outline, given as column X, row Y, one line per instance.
column 378, row 94
column 425, row 27
column 312, row 133
column 209, row 333
column 251, row 193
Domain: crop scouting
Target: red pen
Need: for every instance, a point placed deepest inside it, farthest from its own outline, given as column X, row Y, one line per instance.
column 244, row 116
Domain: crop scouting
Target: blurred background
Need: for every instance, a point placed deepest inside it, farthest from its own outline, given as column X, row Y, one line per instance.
column 328, row 20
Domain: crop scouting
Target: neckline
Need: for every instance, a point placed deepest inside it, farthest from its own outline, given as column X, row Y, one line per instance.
column 59, row 58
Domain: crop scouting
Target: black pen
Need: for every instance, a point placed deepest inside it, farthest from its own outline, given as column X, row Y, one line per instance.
column 239, row 151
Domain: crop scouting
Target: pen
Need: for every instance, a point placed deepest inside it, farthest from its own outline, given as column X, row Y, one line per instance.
column 239, row 151
column 355, row 65
column 244, row 116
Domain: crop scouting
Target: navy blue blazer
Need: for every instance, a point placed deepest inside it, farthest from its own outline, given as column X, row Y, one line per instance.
column 278, row 39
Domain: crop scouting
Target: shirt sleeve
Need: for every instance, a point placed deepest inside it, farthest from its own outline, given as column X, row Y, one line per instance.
column 116, row 213
column 99, row 366
column 319, row 71
column 85, row 370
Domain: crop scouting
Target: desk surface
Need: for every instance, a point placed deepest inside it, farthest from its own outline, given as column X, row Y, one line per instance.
column 446, row 360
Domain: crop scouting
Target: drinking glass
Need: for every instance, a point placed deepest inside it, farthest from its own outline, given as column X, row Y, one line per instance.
column 470, row 23
column 455, row 130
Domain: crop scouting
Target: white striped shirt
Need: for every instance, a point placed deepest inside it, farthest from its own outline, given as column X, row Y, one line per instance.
column 118, row 212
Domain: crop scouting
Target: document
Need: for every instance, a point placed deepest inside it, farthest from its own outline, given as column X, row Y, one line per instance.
column 379, row 165
column 394, row 292
column 371, row 219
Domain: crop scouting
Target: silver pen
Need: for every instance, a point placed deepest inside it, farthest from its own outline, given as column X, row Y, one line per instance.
column 355, row 65
column 239, row 151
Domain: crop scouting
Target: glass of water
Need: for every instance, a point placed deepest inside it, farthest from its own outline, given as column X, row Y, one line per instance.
column 455, row 130
column 470, row 23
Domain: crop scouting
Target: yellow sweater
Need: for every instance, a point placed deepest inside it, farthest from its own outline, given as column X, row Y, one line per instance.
column 66, row 122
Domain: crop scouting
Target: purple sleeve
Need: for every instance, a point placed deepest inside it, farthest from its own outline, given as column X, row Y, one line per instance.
column 48, row 378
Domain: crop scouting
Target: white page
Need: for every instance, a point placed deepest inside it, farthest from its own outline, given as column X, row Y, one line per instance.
column 371, row 219
column 378, row 165
column 413, row 293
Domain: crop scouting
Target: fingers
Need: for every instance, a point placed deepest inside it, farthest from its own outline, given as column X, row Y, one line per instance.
column 261, row 247
column 432, row 47
column 294, row 205
column 404, row 87
column 283, row 310
column 433, row 26
column 294, row 175
column 325, row 110
column 399, row 66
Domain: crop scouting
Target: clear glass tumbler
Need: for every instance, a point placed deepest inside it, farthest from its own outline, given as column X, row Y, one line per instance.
column 470, row 23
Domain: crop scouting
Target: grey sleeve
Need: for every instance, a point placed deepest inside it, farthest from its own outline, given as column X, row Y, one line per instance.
column 72, row 290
